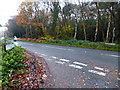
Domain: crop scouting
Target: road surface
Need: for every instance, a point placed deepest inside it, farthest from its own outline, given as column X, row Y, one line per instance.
column 73, row 67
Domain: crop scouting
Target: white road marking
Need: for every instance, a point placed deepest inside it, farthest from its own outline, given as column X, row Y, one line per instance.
column 78, row 67
column 59, row 62
column 43, row 55
column 58, row 48
column 75, row 66
column 51, row 47
column 80, row 63
column 46, row 46
column 64, row 60
column 54, row 57
column 102, row 69
column 114, row 56
column 97, row 72
column 110, row 55
column 55, row 47
column 30, row 44
column 49, row 59
column 70, row 49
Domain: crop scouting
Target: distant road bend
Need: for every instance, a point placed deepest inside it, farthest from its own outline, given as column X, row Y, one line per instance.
column 74, row 67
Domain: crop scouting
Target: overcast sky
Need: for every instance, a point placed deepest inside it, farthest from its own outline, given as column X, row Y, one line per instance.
column 8, row 8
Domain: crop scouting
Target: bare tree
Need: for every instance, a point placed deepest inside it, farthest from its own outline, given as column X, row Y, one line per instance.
column 97, row 21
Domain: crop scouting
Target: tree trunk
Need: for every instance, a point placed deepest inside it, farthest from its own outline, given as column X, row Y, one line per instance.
column 26, row 33
column 108, row 28
column 84, row 32
column 103, row 36
column 113, row 35
column 75, row 30
column 83, row 19
column 97, row 22
column 96, row 32
column 31, row 34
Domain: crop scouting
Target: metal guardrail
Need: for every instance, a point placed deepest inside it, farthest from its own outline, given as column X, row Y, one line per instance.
column 10, row 46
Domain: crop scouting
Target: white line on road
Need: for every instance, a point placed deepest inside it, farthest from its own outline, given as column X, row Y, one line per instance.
column 61, row 48
column 30, row 44
column 110, row 55
column 49, row 59
column 75, row 66
column 54, row 57
column 80, row 63
column 43, row 55
column 97, row 72
column 46, row 46
column 58, row 48
column 64, row 60
column 51, row 47
column 59, row 62
column 102, row 69
column 70, row 49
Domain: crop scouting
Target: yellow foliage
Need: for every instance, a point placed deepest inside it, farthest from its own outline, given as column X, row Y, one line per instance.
column 48, row 37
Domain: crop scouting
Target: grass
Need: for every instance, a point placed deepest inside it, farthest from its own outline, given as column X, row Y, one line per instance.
column 0, row 66
column 8, row 42
column 81, row 43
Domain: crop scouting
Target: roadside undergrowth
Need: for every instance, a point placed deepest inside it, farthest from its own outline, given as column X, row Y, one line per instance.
column 23, row 70
column 12, row 62
column 76, row 43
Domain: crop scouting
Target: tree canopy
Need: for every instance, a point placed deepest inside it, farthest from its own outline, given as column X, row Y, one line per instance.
column 94, row 21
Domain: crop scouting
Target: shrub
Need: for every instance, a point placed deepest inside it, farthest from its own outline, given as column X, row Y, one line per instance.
column 12, row 61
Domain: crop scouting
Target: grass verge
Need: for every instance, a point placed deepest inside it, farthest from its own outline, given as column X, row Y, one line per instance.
column 0, row 66
column 80, row 43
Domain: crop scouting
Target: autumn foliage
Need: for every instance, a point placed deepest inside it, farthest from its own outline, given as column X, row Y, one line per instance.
column 82, row 21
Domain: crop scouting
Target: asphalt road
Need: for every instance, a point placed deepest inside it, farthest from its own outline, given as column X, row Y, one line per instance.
column 73, row 67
